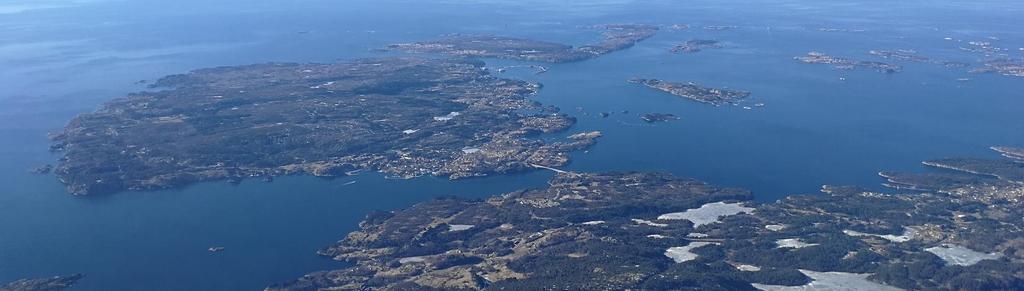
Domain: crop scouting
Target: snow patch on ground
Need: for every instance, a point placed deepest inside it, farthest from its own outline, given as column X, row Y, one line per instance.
column 459, row 227
column 683, row 254
column 793, row 243
column 407, row 260
column 447, row 117
column 961, row 256
column 648, row 222
column 748, row 268
column 908, row 234
column 832, row 281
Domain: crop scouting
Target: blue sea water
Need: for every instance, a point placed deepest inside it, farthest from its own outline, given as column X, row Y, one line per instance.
column 62, row 58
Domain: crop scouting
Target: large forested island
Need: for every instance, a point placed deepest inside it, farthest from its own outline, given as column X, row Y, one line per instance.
column 646, row 231
column 405, row 117
column 615, row 37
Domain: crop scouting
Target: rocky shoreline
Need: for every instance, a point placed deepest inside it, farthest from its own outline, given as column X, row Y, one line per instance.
column 648, row 231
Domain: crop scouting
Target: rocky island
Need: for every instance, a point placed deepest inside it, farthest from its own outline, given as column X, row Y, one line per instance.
column 616, row 37
column 696, row 45
column 42, row 284
column 837, row 29
column 848, row 64
column 986, row 48
column 1003, row 66
column 901, row 55
column 42, row 170
column 695, row 92
column 658, row 117
column 401, row 116
column 914, row 56
column 651, row 231
column 720, row 27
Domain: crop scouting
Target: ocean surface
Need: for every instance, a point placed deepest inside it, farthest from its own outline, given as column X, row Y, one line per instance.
column 819, row 125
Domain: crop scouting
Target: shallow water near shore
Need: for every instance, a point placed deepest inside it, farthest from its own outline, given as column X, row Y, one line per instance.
column 818, row 126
